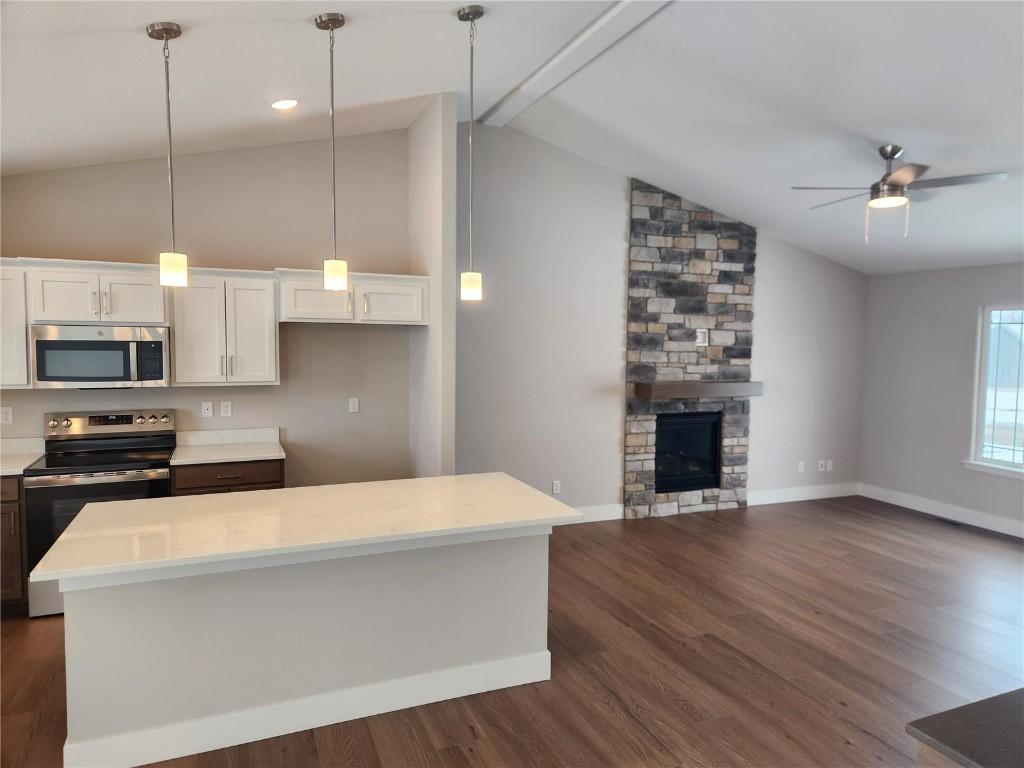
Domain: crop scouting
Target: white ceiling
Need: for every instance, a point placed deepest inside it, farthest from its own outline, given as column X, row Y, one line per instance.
column 725, row 103
column 82, row 84
column 729, row 104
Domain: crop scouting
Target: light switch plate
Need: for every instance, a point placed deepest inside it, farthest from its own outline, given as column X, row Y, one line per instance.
column 225, row 407
column 206, row 409
column 556, row 487
column 7, row 415
column 353, row 405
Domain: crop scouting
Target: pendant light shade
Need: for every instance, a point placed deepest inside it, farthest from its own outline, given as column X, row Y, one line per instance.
column 335, row 269
column 174, row 269
column 471, row 283
column 173, row 265
column 335, row 274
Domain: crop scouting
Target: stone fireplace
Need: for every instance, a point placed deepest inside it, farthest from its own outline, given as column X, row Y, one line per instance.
column 688, row 353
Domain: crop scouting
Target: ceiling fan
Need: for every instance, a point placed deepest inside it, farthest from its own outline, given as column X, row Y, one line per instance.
column 891, row 190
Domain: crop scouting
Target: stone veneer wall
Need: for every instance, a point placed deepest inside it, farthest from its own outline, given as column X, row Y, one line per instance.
column 689, row 268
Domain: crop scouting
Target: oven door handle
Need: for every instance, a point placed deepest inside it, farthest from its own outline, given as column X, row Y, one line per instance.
column 94, row 478
column 133, row 362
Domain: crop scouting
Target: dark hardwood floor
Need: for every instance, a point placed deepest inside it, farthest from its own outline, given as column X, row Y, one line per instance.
column 802, row 634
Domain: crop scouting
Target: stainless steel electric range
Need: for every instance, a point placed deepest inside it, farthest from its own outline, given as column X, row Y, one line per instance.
column 90, row 457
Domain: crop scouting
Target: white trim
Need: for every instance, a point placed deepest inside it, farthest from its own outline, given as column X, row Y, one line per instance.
column 604, row 32
column 218, row 731
column 947, row 511
column 801, row 493
column 598, row 513
column 1003, row 470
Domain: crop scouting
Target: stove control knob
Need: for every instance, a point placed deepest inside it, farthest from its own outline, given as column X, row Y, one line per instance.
column 52, row 423
column 66, row 423
column 140, row 420
column 153, row 419
column 165, row 419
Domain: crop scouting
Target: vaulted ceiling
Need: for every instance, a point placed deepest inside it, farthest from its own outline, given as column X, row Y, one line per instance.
column 725, row 103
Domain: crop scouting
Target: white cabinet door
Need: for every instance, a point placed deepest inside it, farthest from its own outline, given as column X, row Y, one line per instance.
column 55, row 297
column 13, row 329
column 131, row 297
column 200, row 341
column 386, row 302
column 252, row 330
column 308, row 300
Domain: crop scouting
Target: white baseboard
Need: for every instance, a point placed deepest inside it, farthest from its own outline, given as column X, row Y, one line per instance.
column 218, row 731
column 801, row 493
column 941, row 509
column 599, row 512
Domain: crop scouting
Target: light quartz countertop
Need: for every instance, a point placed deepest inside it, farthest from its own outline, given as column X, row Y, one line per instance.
column 17, row 453
column 116, row 541
column 223, row 445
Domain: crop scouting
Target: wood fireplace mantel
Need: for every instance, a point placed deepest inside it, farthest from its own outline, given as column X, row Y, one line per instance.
column 682, row 390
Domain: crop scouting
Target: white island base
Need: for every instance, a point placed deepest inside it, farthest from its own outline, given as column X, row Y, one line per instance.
column 208, row 652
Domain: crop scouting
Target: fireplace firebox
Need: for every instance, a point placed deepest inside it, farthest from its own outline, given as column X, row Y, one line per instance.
column 688, row 452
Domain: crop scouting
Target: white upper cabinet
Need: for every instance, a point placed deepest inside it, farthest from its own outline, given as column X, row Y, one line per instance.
column 304, row 298
column 387, row 299
column 225, row 330
column 13, row 329
column 200, row 337
column 392, row 301
column 131, row 297
column 128, row 297
column 65, row 296
column 252, row 330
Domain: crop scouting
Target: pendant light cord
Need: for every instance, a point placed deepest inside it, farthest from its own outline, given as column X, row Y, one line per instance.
column 334, row 165
column 170, row 146
column 472, row 119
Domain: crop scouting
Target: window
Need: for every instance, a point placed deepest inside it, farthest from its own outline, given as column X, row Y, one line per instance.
column 999, row 420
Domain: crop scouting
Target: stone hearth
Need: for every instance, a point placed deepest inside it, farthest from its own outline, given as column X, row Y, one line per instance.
column 691, row 270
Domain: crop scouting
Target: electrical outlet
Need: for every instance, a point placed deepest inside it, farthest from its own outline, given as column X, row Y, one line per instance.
column 206, row 409
column 702, row 337
column 828, row 465
column 821, row 465
column 800, row 467
column 225, row 407
column 556, row 487
column 353, row 405
column 6, row 415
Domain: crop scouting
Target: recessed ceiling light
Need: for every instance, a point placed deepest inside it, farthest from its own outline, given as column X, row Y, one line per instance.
column 284, row 104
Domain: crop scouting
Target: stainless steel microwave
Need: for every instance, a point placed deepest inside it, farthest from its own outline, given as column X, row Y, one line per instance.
column 99, row 356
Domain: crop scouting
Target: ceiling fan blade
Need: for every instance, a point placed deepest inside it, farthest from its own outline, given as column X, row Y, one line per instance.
column 956, row 181
column 829, row 187
column 841, row 199
column 906, row 174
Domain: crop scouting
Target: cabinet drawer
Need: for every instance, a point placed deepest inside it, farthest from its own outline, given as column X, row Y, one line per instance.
column 9, row 489
column 214, row 476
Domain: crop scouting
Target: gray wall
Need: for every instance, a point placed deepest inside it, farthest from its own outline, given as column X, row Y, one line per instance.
column 809, row 351
column 256, row 209
column 541, row 360
column 918, row 392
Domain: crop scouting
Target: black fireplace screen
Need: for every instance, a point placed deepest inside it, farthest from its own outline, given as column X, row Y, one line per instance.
column 688, row 452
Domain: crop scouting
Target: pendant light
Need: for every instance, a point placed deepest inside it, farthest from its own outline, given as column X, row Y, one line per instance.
column 335, row 269
column 471, row 283
column 173, row 265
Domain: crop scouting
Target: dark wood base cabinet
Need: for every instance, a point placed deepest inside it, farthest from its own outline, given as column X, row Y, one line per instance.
column 13, row 600
column 193, row 479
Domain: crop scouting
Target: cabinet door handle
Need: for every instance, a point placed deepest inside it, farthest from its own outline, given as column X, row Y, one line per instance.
column 228, row 477
column 231, row 365
column 105, row 302
column 350, row 303
column 220, row 366
column 92, row 302
column 366, row 304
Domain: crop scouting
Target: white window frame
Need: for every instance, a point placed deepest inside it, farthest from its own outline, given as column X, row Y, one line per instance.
column 976, row 462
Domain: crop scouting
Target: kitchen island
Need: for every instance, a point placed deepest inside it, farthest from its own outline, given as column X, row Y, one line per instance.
column 195, row 623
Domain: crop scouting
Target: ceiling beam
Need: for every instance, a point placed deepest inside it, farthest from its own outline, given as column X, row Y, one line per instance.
column 597, row 37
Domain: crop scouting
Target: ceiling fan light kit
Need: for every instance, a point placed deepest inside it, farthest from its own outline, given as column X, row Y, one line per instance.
column 891, row 190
